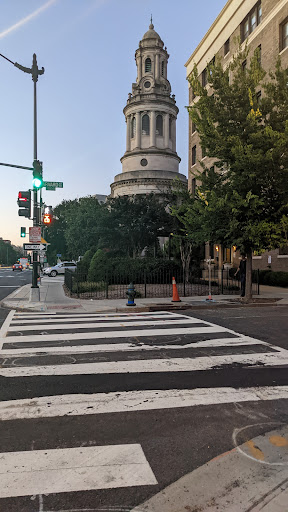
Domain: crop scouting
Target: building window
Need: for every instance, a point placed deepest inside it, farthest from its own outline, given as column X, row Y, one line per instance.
column 258, row 97
column 162, row 68
column 145, row 125
column 259, row 54
column 193, row 127
column 148, row 65
column 193, row 186
column 170, row 128
column 284, row 35
column 204, row 77
column 133, row 127
column 251, row 21
column 227, row 46
column 244, row 65
column 203, row 151
column 159, row 125
column 194, row 155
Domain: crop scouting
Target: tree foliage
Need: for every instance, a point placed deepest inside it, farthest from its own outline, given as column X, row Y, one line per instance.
column 243, row 198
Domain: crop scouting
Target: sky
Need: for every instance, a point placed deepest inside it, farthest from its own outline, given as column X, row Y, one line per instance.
column 87, row 48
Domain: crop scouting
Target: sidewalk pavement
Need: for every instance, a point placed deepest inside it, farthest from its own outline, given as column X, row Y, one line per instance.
column 52, row 297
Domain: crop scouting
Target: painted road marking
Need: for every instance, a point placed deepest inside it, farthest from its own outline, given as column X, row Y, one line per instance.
column 5, row 325
column 73, row 469
column 96, row 315
column 129, row 401
column 116, row 334
column 148, row 366
column 87, row 318
column 129, row 347
column 104, row 325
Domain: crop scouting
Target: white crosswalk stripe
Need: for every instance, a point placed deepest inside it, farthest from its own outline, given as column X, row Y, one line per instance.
column 131, row 363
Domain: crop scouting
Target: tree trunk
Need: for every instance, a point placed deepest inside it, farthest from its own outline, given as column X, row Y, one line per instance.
column 248, row 287
column 186, row 254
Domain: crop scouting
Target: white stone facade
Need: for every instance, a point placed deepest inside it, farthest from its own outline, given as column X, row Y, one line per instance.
column 150, row 163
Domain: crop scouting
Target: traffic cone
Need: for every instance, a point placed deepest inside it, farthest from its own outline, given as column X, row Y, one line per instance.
column 175, row 291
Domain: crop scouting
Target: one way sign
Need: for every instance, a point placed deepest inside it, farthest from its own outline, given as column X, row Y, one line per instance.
column 34, row 247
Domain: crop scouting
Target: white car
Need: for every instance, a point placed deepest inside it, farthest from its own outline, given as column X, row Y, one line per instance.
column 60, row 268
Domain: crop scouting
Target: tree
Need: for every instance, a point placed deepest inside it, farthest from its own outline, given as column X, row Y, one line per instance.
column 244, row 197
column 134, row 223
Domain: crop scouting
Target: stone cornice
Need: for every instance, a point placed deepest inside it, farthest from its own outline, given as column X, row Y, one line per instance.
column 150, row 151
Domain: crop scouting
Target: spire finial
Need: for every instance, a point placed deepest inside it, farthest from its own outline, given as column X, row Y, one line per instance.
column 151, row 19
column 151, row 26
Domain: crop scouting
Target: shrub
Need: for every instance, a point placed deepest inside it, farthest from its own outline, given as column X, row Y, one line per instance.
column 103, row 267
column 270, row 278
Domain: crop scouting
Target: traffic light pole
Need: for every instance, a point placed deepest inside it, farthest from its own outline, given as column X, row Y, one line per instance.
column 35, row 72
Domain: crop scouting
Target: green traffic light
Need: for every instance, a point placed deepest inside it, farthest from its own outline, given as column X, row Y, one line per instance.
column 23, row 232
column 37, row 183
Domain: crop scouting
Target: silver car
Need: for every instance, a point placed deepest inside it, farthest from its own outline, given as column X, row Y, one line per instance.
column 60, row 268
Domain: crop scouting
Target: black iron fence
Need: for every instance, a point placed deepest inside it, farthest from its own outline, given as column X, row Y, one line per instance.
column 149, row 285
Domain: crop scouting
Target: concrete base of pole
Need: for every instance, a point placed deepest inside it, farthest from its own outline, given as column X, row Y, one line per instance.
column 34, row 295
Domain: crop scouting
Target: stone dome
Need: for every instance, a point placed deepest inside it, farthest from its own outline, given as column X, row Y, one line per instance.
column 151, row 34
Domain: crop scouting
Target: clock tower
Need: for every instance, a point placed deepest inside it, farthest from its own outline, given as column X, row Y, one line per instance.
column 150, row 162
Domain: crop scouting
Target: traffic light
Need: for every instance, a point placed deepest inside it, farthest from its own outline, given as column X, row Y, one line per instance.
column 23, row 232
column 47, row 215
column 37, row 175
column 24, row 201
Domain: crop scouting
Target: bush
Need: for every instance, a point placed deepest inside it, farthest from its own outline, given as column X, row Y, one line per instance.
column 270, row 278
column 84, row 264
column 104, row 267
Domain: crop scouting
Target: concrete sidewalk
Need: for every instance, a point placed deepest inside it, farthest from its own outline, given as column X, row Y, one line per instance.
column 53, row 298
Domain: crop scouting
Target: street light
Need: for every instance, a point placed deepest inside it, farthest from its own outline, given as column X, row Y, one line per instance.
column 35, row 72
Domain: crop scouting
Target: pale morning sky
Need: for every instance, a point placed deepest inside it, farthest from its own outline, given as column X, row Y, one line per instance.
column 87, row 48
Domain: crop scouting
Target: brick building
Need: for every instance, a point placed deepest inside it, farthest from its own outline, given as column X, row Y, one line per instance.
column 264, row 25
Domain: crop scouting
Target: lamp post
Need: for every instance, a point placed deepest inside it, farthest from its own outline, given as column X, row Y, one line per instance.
column 35, row 72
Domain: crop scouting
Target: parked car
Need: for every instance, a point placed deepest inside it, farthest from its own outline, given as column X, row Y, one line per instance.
column 60, row 268
column 17, row 266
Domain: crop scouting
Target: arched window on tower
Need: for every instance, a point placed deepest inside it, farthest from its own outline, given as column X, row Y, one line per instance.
column 148, row 65
column 133, row 127
column 162, row 67
column 159, row 125
column 170, row 127
column 145, row 125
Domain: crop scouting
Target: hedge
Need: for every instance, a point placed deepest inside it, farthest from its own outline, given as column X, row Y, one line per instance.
column 103, row 267
column 271, row 278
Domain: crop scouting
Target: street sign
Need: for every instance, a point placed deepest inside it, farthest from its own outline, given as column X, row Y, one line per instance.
column 48, row 187
column 34, row 247
column 58, row 255
column 54, row 184
column 35, row 234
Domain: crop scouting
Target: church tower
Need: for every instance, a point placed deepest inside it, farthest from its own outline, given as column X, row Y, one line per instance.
column 150, row 162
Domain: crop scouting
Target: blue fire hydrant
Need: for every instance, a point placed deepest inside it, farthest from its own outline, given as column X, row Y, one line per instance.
column 131, row 294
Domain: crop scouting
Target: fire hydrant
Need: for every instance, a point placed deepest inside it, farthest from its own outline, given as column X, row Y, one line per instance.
column 131, row 294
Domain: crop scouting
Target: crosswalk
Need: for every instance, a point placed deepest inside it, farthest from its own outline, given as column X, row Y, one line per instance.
column 104, row 370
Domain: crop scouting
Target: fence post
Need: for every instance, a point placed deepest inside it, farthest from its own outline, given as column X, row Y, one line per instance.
column 184, row 283
column 258, row 281
column 145, row 284
column 106, row 282
column 222, row 284
column 77, row 286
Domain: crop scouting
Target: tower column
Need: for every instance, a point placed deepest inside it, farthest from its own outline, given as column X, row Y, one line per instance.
column 128, row 133
column 166, row 131
column 140, row 67
column 157, row 66
column 138, row 129
column 173, row 134
column 153, row 128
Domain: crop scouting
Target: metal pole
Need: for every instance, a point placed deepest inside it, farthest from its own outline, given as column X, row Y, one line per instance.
column 35, row 198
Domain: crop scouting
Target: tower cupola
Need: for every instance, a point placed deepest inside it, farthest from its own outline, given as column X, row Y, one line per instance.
column 150, row 162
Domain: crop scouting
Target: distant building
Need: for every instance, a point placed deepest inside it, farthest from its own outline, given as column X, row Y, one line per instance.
column 101, row 198
column 264, row 25
column 150, row 163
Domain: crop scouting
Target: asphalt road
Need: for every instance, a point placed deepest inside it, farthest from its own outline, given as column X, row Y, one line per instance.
column 112, row 382
column 10, row 281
